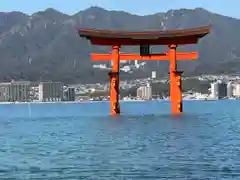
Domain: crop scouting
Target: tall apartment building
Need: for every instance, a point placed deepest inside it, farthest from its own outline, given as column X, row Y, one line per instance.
column 17, row 91
column 4, row 92
column 214, row 90
column 145, row 92
column 229, row 89
column 50, row 91
column 69, row 94
column 222, row 90
column 236, row 89
column 219, row 90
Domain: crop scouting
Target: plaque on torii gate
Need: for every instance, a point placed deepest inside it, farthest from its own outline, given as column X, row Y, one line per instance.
column 171, row 38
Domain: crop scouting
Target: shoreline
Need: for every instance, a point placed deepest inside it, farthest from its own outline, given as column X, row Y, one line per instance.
column 80, row 102
column 67, row 102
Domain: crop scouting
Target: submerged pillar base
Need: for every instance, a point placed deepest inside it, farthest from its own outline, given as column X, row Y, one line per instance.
column 176, row 92
column 114, row 93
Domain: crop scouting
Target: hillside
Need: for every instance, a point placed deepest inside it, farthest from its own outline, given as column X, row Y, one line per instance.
column 46, row 46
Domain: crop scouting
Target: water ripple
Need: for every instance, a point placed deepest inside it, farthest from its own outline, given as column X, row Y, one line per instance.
column 201, row 144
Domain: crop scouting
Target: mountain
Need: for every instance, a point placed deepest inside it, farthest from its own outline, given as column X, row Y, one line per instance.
column 46, row 46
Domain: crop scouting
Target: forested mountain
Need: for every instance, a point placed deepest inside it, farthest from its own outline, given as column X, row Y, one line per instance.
column 46, row 46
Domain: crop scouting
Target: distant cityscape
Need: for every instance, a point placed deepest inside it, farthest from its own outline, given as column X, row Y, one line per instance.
column 26, row 91
column 218, row 90
column 221, row 87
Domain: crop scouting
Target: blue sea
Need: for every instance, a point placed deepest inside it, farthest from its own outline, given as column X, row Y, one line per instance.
column 82, row 141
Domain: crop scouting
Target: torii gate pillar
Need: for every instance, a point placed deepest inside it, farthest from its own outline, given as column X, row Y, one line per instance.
column 175, row 82
column 114, row 82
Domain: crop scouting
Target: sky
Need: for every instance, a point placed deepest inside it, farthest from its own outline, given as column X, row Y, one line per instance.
column 140, row 7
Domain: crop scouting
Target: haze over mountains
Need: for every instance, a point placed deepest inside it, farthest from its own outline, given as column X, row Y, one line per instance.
column 46, row 46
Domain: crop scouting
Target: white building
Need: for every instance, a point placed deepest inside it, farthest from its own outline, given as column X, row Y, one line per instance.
column 100, row 66
column 125, row 68
column 145, row 92
column 153, row 74
column 214, row 90
column 229, row 89
column 236, row 90
column 136, row 64
column 220, row 90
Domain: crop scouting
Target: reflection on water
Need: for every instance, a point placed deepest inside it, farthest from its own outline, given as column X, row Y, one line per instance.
column 81, row 141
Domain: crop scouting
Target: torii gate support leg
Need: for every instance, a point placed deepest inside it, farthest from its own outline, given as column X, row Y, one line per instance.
column 175, row 83
column 179, row 106
column 114, row 82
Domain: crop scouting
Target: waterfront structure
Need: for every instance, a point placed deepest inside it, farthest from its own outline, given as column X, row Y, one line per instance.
column 229, row 89
column 236, row 89
column 15, row 91
column 4, row 92
column 214, row 90
column 171, row 38
column 20, row 91
column 222, row 90
column 145, row 92
column 50, row 91
column 69, row 94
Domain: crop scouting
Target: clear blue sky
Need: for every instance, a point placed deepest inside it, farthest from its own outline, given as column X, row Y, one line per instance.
column 225, row 7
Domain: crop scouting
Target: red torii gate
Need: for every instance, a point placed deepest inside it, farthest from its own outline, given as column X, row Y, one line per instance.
column 172, row 38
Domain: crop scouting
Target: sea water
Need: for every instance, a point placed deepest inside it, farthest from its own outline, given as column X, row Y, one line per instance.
column 81, row 141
